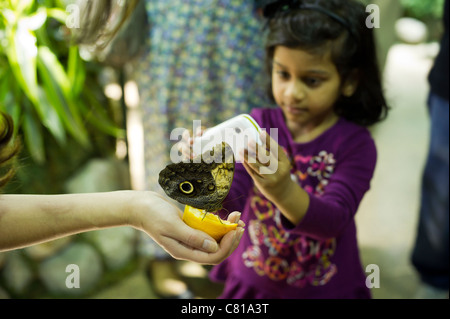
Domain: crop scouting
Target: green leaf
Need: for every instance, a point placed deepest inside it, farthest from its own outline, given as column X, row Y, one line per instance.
column 57, row 14
column 51, row 119
column 76, row 71
column 9, row 16
column 96, row 115
column 36, row 20
column 58, row 90
column 12, row 99
column 22, row 6
column 4, row 85
column 22, row 58
column 34, row 141
column 8, row 103
column 54, row 67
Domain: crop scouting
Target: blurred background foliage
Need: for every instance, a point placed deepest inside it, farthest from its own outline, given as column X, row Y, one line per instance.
column 424, row 10
column 55, row 97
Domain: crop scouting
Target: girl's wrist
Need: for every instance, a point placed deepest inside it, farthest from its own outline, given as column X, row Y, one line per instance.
column 284, row 190
column 293, row 201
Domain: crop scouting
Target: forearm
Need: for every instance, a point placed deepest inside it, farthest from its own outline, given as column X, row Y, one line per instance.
column 31, row 219
column 292, row 201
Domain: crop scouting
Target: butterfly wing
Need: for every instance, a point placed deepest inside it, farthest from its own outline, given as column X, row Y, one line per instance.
column 223, row 174
column 204, row 182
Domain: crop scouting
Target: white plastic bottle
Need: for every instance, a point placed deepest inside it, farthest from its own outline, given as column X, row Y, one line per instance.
column 236, row 132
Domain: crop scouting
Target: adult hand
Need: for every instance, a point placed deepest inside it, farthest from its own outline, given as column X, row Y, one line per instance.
column 185, row 145
column 153, row 214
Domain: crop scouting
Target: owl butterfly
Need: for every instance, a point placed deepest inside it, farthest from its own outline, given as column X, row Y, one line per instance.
column 204, row 181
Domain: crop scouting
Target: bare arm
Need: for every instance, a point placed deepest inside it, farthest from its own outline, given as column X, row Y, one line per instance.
column 276, row 183
column 31, row 219
column 323, row 216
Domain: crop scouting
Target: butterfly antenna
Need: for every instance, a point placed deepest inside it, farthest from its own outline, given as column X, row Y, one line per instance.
column 218, row 217
column 228, row 213
column 230, row 200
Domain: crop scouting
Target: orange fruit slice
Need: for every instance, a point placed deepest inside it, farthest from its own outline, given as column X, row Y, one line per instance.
column 211, row 224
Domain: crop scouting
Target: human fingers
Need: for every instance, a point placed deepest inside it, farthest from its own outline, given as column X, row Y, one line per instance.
column 258, row 161
column 200, row 131
column 197, row 239
column 260, row 152
column 185, row 145
column 278, row 156
column 229, row 243
column 272, row 146
column 180, row 250
column 250, row 162
column 193, row 238
column 235, row 217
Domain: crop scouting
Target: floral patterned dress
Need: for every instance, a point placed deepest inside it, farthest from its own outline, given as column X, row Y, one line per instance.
column 204, row 60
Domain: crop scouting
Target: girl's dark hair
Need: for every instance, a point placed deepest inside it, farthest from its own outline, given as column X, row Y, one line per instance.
column 7, row 151
column 352, row 48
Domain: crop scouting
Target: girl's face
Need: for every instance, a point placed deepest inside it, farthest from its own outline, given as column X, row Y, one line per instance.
column 306, row 87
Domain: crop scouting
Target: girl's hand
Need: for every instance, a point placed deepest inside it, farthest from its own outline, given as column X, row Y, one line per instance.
column 162, row 221
column 186, row 143
column 268, row 166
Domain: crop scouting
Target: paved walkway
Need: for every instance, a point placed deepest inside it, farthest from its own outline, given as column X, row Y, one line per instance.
column 388, row 215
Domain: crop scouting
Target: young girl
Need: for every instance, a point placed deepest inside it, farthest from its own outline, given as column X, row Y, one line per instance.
column 301, row 236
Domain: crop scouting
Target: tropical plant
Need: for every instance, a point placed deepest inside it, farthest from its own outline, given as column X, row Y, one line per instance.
column 44, row 83
column 423, row 10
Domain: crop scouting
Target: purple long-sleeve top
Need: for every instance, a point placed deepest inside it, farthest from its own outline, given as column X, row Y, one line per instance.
column 318, row 257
